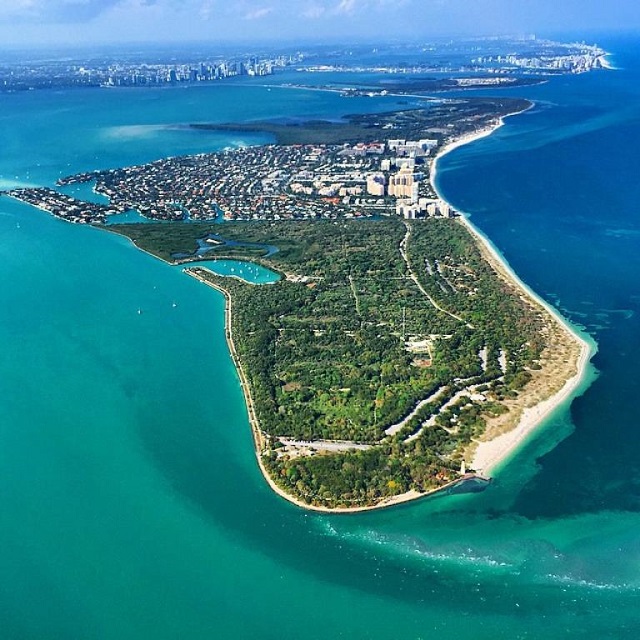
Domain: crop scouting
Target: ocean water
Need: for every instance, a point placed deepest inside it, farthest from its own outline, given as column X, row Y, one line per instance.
column 131, row 505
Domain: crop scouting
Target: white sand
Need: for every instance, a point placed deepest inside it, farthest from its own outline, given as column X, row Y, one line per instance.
column 489, row 454
column 493, row 452
column 606, row 63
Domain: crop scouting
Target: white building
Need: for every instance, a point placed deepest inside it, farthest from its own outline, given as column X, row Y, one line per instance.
column 376, row 184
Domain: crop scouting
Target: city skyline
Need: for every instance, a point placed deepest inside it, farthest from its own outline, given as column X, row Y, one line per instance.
column 59, row 22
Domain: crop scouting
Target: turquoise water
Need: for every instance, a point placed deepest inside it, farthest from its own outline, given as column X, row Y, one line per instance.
column 131, row 505
column 84, row 191
column 247, row 271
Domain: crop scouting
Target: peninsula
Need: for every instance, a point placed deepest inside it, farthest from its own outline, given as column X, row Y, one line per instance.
column 397, row 355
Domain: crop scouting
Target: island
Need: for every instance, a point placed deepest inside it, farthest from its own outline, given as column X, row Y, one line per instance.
column 397, row 354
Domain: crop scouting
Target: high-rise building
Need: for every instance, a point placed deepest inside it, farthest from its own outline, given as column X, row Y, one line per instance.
column 403, row 184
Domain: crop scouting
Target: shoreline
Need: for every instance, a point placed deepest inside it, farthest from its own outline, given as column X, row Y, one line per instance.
column 605, row 63
column 427, row 96
column 259, row 437
column 492, row 453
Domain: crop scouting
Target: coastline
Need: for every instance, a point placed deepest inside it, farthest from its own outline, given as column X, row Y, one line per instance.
column 489, row 453
column 493, row 452
column 529, row 411
column 259, row 438
column 605, row 63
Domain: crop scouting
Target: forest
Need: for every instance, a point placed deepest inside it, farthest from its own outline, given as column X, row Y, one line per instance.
column 456, row 117
column 393, row 338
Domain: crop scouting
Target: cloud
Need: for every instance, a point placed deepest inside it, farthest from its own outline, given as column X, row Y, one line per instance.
column 49, row 21
column 54, row 11
column 346, row 7
column 67, row 10
column 314, row 12
column 206, row 10
column 258, row 14
column 84, row 11
column 353, row 7
column 350, row 8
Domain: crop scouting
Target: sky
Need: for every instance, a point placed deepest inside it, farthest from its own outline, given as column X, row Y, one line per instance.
column 33, row 22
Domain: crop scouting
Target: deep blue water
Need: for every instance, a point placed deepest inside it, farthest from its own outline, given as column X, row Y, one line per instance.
column 567, row 221
column 131, row 505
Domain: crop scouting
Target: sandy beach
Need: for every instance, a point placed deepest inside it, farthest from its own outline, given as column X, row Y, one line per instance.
column 259, row 438
column 606, row 63
column 496, row 449
column 563, row 371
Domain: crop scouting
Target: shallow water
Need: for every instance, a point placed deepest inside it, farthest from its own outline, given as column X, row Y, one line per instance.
column 131, row 504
